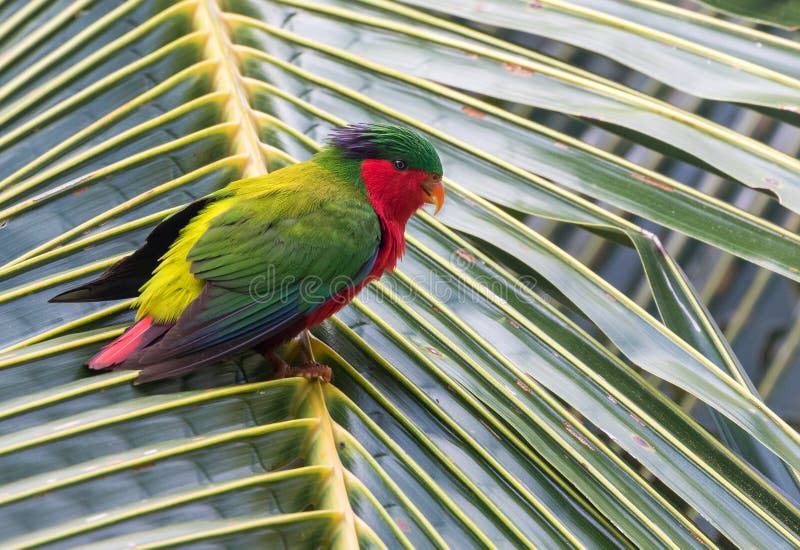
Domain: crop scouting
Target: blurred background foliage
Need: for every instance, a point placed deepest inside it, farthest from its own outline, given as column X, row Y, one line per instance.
column 574, row 354
column 757, row 310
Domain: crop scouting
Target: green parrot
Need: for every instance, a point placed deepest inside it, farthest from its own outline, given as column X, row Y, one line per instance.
column 265, row 258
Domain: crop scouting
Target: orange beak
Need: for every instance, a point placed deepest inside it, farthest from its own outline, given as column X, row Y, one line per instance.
column 434, row 191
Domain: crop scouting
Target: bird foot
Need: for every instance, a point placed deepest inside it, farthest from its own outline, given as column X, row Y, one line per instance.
column 310, row 370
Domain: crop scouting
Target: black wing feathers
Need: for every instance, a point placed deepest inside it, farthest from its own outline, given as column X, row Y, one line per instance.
column 126, row 277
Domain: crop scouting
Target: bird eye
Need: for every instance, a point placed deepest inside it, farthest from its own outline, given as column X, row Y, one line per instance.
column 400, row 164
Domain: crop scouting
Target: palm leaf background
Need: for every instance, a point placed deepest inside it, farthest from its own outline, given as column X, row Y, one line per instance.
column 539, row 372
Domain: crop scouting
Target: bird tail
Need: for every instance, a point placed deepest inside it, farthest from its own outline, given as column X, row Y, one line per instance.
column 140, row 335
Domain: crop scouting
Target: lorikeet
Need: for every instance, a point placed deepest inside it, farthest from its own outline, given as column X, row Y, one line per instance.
column 261, row 260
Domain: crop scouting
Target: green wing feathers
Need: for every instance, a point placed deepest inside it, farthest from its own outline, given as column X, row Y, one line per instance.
column 297, row 221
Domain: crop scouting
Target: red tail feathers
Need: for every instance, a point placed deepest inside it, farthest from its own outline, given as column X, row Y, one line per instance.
column 135, row 338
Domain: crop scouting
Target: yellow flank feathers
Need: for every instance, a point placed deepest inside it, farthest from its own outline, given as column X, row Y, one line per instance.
column 173, row 287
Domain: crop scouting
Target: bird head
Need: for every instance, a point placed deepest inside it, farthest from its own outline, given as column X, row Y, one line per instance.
column 399, row 168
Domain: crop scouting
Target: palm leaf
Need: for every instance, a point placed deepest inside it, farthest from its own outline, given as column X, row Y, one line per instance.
column 472, row 404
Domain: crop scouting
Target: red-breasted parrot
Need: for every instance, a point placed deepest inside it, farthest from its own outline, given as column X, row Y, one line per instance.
column 259, row 261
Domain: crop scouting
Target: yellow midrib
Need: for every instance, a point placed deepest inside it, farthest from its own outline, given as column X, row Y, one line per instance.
column 228, row 78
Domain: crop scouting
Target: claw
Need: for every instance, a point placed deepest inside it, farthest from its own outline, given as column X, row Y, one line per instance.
column 313, row 371
column 310, row 370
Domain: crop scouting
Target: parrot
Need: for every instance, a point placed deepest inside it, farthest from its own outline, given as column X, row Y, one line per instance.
column 264, row 259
